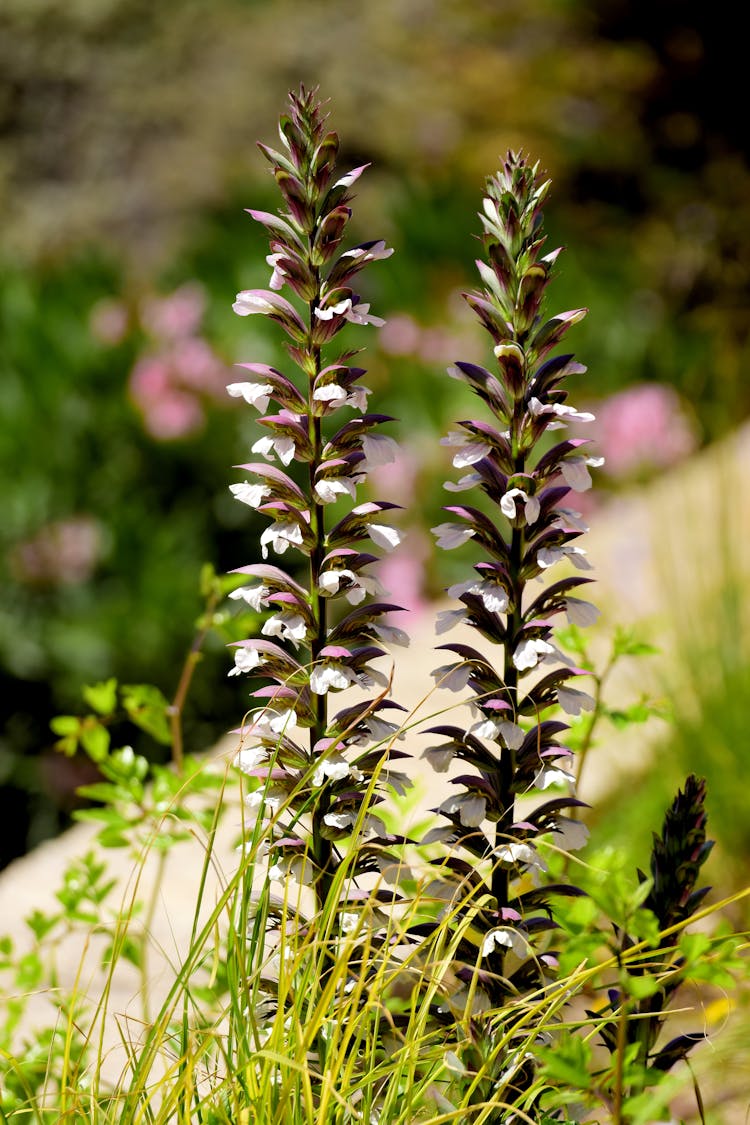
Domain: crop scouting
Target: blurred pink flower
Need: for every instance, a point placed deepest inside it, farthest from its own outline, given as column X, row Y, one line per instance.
column 149, row 379
column 437, row 346
column 644, row 427
column 197, row 366
column 167, row 386
column 173, row 415
column 400, row 335
column 108, row 321
column 63, row 553
column 179, row 314
column 397, row 478
column 402, row 574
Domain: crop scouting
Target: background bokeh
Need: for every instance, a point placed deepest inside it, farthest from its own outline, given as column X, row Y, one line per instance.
column 127, row 152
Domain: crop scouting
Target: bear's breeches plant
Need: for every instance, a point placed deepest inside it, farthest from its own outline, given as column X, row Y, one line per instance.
column 312, row 759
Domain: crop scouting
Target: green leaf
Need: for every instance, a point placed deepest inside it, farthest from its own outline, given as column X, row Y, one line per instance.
column 40, row 923
column 103, row 816
column 102, row 697
column 128, row 949
column 111, row 838
column 147, row 708
column 95, row 741
column 29, row 971
column 105, row 792
column 164, row 841
column 66, row 724
column 627, row 644
column 636, row 713
column 569, row 1062
column 640, row 988
column 694, row 945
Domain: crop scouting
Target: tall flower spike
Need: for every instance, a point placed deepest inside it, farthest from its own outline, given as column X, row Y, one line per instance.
column 513, row 750
column 304, row 656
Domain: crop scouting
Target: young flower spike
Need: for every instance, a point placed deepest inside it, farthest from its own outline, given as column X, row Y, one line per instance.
column 311, row 459
column 512, row 748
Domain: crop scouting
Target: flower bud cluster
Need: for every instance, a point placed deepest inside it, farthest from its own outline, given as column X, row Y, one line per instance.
column 324, row 635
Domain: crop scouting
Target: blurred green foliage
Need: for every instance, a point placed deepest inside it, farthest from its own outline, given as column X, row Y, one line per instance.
column 127, row 151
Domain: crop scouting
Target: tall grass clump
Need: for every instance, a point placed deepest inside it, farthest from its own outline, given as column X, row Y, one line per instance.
column 474, row 970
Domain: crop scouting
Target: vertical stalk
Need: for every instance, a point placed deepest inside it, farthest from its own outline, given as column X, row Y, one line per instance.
column 321, row 847
column 500, row 873
column 177, row 706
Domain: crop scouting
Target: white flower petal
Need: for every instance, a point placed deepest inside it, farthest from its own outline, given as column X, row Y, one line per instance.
column 447, row 619
column 532, row 508
column 288, row 625
column 520, row 853
column 339, row 820
column 440, row 757
column 392, row 635
column 571, row 835
column 329, row 489
column 330, row 311
column 256, row 394
column 495, row 598
column 279, row 722
column 508, row 502
column 245, row 660
column 249, row 758
column 552, row 775
column 485, row 728
column 357, row 397
column 562, row 411
column 281, row 446
column 386, row 537
column 450, row 535
column 378, row 450
column 248, row 302
column 452, row 677
column 512, row 734
column 470, row 480
column 506, row 938
column 548, row 556
column 529, row 652
column 251, row 494
column 580, row 612
column 576, row 473
column 280, row 535
column 255, row 596
column 471, row 808
column 335, row 767
column 470, row 449
column 330, row 676
column 574, row 701
column 360, row 314
column 569, row 518
column 329, row 581
column 331, row 392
